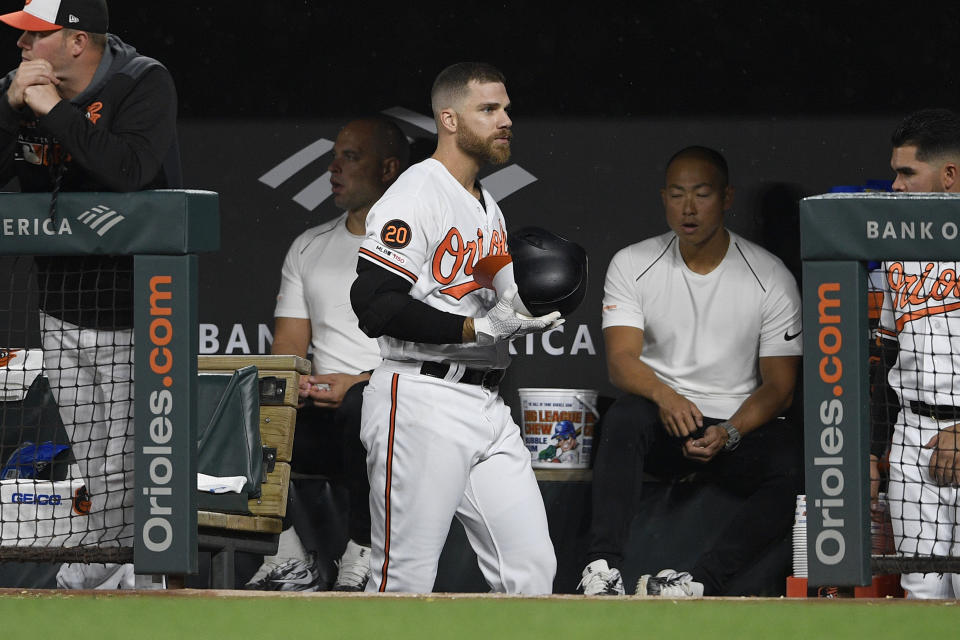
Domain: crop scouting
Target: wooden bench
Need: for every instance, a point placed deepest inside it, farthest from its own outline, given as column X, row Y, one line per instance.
column 225, row 533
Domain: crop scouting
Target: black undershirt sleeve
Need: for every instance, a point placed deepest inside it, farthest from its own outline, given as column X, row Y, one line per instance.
column 383, row 305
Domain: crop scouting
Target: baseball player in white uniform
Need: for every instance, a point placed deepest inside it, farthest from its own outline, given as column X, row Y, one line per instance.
column 440, row 441
column 919, row 312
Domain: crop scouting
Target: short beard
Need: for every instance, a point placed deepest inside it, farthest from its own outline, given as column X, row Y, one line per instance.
column 487, row 151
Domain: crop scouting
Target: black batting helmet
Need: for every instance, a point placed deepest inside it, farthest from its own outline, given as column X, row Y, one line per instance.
column 550, row 271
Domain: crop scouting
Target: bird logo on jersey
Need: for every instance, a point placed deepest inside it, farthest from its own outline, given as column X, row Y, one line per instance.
column 93, row 112
column 81, row 501
column 6, row 355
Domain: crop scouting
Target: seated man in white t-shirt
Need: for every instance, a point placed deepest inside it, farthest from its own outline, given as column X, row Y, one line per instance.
column 701, row 330
column 313, row 313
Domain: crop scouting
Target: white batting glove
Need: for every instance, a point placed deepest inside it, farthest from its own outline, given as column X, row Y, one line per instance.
column 503, row 322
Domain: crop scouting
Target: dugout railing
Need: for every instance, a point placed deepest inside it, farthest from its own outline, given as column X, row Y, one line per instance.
column 840, row 233
column 163, row 231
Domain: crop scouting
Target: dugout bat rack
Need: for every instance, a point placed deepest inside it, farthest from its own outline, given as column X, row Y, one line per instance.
column 164, row 231
column 839, row 234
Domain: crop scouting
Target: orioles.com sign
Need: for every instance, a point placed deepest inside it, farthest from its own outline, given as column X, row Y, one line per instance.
column 836, row 422
column 165, row 361
column 830, row 544
column 157, row 532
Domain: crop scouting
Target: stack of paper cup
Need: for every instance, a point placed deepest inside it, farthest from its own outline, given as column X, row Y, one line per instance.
column 800, row 538
column 881, row 528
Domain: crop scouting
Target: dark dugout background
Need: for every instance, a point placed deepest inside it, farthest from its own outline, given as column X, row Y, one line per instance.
column 799, row 99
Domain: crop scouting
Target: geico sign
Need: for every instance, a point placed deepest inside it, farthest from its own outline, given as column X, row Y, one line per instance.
column 36, row 498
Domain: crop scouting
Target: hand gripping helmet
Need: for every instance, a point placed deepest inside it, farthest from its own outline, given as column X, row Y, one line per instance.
column 550, row 271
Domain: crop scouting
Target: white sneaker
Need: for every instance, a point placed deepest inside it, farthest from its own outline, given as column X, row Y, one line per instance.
column 600, row 580
column 354, row 568
column 669, row 584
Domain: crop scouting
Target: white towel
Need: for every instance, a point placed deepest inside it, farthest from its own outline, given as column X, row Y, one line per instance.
column 213, row 484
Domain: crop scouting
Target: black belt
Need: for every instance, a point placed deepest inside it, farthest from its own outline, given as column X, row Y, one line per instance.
column 935, row 411
column 486, row 378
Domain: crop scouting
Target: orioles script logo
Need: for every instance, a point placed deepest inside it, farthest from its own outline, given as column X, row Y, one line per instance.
column 455, row 256
column 911, row 290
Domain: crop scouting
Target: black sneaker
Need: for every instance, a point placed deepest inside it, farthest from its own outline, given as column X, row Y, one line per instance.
column 289, row 575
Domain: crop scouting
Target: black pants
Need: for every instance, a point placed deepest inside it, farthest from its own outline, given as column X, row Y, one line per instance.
column 766, row 467
column 327, row 442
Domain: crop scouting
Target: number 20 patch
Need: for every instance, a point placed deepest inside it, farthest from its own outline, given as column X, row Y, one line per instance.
column 396, row 234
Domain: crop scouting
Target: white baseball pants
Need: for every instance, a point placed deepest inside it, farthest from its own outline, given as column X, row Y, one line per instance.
column 91, row 376
column 924, row 515
column 438, row 449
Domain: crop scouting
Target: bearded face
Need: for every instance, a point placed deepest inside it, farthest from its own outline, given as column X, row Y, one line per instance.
column 494, row 149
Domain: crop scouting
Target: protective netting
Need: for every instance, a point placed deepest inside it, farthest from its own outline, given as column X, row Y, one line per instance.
column 66, row 414
column 915, row 407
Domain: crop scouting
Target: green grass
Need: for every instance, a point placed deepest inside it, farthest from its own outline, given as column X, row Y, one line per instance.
column 197, row 615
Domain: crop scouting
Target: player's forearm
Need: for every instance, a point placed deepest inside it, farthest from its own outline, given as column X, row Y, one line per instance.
column 287, row 348
column 778, row 375
column 630, row 374
column 763, row 405
column 419, row 322
column 291, row 336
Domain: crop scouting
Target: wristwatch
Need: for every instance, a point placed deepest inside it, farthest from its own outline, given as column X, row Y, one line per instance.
column 733, row 438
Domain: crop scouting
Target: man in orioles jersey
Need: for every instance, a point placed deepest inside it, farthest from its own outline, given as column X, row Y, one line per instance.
column 440, row 441
column 917, row 314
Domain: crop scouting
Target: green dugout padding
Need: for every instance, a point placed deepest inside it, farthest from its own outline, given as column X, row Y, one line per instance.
column 228, row 418
column 166, row 222
column 163, row 230
column 839, row 234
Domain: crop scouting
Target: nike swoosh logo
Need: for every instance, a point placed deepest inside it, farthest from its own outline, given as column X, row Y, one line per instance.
column 788, row 337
